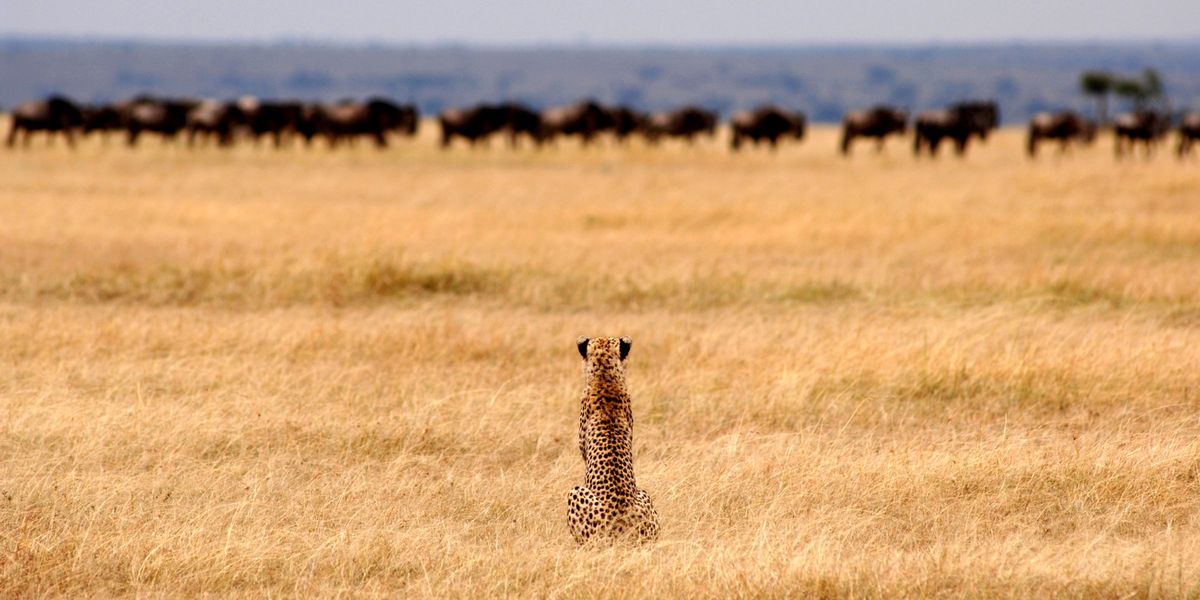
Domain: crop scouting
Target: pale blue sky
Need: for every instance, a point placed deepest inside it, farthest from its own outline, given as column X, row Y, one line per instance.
column 608, row 21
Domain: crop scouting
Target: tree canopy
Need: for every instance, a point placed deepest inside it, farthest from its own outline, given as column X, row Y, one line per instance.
column 1096, row 83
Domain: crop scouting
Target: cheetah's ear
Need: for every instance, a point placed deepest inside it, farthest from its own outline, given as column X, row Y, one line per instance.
column 582, row 343
column 624, row 347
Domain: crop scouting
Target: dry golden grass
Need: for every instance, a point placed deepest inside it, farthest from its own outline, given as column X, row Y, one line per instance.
column 312, row 373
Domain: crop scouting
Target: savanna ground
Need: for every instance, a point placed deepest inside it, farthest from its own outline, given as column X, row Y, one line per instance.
column 353, row 373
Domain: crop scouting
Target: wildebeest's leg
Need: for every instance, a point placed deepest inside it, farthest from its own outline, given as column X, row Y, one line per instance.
column 917, row 143
column 380, row 139
column 960, row 144
column 70, row 135
column 131, row 139
column 879, row 145
column 847, row 137
column 13, row 130
column 1031, row 143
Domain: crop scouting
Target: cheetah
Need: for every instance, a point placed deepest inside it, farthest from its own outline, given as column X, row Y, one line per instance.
column 609, row 506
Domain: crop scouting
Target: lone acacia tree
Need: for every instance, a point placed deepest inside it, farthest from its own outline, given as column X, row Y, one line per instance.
column 1141, row 90
column 1132, row 90
column 1099, row 85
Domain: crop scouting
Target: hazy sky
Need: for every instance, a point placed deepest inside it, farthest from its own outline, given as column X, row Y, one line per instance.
column 608, row 21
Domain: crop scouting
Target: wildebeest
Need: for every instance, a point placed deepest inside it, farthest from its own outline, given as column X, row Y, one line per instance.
column 101, row 119
column 958, row 123
column 270, row 118
column 878, row 122
column 988, row 111
column 472, row 124
column 586, row 119
column 389, row 117
column 769, row 123
column 686, row 122
column 1146, row 126
column 1189, row 133
column 344, row 121
column 274, row 118
column 1065, row 127
column 165, row 116
column 477, row 123
column 518, row 119
column 217, row 119
column 55, row 114
column 626, row 121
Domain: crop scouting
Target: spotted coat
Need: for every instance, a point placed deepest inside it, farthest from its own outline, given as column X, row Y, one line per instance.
column 609, row 505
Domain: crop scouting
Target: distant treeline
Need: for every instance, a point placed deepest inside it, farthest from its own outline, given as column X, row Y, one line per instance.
column 824, row 82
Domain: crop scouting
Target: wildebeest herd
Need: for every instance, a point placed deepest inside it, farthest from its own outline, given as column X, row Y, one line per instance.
column 586, row 120
column 202, row 121
column 377, row 119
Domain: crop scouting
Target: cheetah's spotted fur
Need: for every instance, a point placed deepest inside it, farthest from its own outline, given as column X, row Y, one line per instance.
column 609, row 505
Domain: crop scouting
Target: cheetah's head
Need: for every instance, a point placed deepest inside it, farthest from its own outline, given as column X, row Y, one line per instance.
column 604, row 353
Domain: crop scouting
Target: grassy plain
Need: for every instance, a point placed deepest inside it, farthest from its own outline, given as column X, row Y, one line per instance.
column 311, row 373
